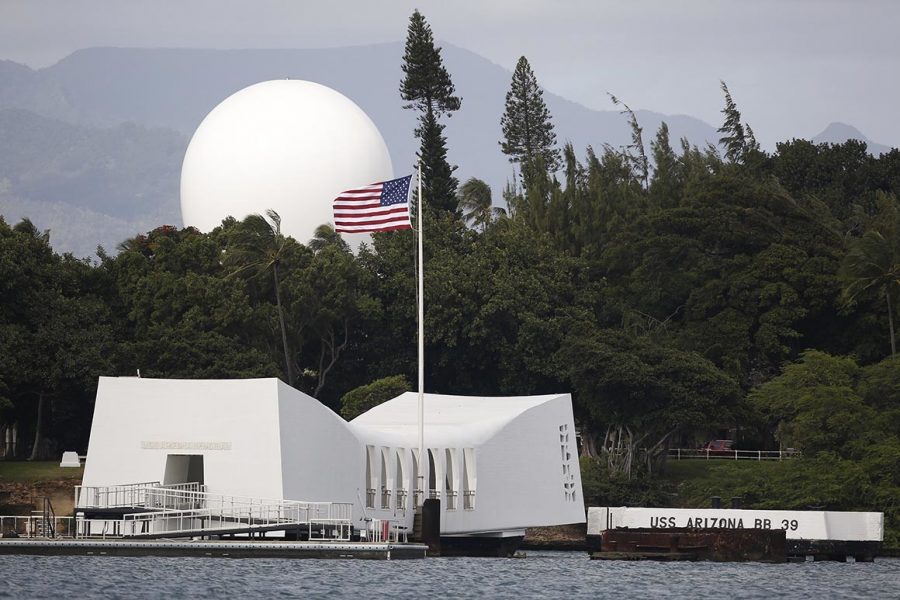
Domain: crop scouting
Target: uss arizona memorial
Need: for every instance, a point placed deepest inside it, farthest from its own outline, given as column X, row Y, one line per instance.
column 498, row 465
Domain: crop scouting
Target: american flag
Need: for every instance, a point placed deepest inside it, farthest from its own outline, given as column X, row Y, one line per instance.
column 382, row 206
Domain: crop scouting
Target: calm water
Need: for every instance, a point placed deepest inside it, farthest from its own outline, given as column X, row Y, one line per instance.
column 540, row 575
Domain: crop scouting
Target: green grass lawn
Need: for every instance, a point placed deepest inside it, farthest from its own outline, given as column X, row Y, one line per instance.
column 26, row 471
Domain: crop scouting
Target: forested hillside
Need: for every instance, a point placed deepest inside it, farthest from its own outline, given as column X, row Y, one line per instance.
column 90, row 186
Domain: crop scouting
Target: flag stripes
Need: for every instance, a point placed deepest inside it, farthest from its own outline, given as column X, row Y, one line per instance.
column 381, row 206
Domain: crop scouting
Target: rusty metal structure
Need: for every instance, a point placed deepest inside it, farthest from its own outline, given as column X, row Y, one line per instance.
column 722, row 545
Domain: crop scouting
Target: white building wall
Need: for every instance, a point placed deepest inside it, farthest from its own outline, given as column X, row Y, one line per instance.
column 520, row 478
column 322, row 460
column 233, row 424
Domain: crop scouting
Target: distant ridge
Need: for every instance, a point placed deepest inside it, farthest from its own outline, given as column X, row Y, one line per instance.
column 173, row 89
column 100, row 178
column 89, row 186
column 176, row 88
column 838, row 133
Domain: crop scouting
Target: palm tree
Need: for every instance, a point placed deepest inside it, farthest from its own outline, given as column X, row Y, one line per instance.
column 259, row 244
column 873, row 263
column 475, row 201
column 326, row 236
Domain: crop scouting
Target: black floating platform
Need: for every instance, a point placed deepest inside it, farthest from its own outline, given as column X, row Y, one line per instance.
column 226, row 549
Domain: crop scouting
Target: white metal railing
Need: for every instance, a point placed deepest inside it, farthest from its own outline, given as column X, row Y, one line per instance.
column 132, row 495
column 370, row 497
column 187, row 508
column 385, row 498
column 401, row 501
column 98, row 528
column 684, row 453
column 113, row 496
column 37, row 525
column 172, row 499
column 185, row 487
column 260, row 516
column 383, row 530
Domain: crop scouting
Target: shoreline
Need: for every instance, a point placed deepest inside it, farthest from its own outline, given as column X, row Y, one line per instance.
column 557, row 537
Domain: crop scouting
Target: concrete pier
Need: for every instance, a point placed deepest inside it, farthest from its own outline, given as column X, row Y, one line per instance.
column 225, row 549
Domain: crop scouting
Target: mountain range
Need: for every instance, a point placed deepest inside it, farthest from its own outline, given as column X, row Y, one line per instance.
column 91, row 147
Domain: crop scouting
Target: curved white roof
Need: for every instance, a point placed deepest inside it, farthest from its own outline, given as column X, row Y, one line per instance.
column 449, row 420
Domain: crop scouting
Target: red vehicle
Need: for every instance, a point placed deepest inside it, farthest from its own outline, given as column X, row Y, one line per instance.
column 718, row 447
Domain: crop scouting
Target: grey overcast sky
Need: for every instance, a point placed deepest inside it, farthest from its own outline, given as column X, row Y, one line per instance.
column 793, row 66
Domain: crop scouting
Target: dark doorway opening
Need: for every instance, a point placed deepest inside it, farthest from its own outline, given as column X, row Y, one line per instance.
column 184, row 468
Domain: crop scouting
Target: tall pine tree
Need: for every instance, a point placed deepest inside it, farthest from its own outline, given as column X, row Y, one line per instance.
column 427, row 87
column 526, row 122
column 666, row 186
column 737, row 138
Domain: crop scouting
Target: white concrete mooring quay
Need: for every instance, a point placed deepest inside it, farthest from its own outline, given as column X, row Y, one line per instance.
column 815, row 534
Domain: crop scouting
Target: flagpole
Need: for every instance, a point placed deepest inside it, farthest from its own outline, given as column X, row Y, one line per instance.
column 421, row 295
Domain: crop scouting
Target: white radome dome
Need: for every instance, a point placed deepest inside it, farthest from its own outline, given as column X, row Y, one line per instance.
column 287, row 145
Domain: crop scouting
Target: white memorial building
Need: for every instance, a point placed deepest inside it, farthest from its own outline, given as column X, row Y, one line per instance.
column 498, row 465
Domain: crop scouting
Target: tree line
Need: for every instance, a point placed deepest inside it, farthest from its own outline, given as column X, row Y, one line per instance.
column 677, row 291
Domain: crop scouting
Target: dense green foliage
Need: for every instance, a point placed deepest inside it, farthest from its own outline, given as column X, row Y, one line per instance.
column 56, row 337
column 600, row 488
column 675, row 293
column 477, row 205
column 824, row 482
column 359, row 400
column 846, row 421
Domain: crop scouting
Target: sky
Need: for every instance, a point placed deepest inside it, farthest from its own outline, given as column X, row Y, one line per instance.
column 793, row 66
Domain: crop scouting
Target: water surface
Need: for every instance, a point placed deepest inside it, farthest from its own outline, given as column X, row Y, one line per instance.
column 540, row 575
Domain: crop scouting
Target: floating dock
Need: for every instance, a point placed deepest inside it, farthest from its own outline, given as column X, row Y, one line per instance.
column 222, row 549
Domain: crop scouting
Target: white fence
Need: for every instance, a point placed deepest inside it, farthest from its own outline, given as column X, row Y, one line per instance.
column 37, row 526
column 113, row 496
column 383, row 530
column 684, row 453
